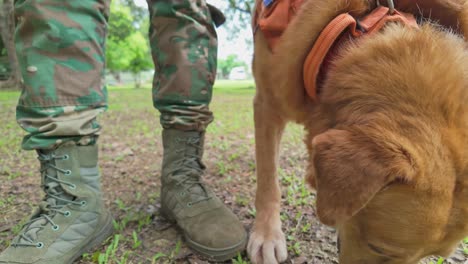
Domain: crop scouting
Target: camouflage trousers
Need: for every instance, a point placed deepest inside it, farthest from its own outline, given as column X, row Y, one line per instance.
column 61, row 49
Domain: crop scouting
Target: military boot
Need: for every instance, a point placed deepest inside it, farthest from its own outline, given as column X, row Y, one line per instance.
column 72, row 218
column 208, row 226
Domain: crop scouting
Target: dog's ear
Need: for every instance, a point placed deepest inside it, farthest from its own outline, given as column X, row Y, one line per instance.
column 350, row 168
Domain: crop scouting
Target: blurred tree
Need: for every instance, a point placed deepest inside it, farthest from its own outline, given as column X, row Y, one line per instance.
column 239, row 12
column 241, row 6
column 239, row 18
column 144, row 28
column 7, row 27
column 120, row 22
column 5, row 70
column 3, row 51
column 118, row 57
column 127, row 48
column 226, row 65
column 140, row 59
column 120, row 29
column 139, row 14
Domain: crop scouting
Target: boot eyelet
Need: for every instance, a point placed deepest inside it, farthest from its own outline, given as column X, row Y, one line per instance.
column 65, row 157
column 67, row 214
column 83, row 203
column 67, row 172
column 73, row 187
column 189, row 204
column 55, row 227
column 40, row 245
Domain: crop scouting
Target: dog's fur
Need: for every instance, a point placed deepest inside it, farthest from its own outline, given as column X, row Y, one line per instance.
column 387, row 140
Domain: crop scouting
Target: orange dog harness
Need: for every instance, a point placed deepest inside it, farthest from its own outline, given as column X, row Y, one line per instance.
column 342, row 29
column 272, row 17
column 321, row 53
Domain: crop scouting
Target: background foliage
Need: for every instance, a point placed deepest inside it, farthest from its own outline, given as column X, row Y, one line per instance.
column 127, row 45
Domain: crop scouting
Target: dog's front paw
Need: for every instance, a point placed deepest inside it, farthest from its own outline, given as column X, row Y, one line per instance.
column 267, row 246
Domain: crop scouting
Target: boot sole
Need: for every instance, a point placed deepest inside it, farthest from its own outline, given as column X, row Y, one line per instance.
column 214, row 254
column 97, row 240
column 217, row 254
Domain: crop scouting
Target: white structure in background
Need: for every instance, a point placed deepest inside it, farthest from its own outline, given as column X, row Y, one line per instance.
column 238, row 73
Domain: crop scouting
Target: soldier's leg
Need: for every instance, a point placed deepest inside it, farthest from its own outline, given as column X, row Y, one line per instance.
column 60, row 46
column 184, row 46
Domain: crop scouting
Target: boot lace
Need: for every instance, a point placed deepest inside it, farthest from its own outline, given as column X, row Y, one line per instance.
column 52, row 204
column 189, row 169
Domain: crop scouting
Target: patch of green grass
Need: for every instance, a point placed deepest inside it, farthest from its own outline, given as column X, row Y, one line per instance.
column 439, row 261
column 242, row 200
column 136, row 241
column 128, row 100
column 109, row 255
column 167, row 258
column 465, row 246
column 240, row 260
column 158, row 257
column 8, row 96
column 234, row 85
column 9, row 200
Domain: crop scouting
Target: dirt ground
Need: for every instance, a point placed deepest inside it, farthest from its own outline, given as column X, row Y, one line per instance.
column 131, row 153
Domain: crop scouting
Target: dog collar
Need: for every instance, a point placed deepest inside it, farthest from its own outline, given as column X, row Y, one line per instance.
column 337, row 33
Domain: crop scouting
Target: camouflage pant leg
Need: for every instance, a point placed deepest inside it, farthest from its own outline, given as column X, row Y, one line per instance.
column 184, row 47
column 60, row 46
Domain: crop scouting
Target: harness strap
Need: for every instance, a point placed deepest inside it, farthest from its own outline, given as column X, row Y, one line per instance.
column 372, row 23
column 272, row 17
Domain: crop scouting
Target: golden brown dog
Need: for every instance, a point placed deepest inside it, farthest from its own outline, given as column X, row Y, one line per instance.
column 387, row 139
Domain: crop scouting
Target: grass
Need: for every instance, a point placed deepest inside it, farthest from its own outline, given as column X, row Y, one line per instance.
column 131, row 153
column 234, row 86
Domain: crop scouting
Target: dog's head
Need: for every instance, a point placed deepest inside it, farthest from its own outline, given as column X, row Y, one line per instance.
column 385, row 205
column 393, row 177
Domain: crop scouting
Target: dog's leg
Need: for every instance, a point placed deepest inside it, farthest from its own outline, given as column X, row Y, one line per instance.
column 267, row 244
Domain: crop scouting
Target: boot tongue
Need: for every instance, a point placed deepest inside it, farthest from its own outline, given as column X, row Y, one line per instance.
column 52, row 187
column 193, row 167
column 55, row 189
column 192, row 152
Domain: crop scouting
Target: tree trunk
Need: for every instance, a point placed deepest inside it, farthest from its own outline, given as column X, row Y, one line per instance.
column 117, row 77
column 7, row 28
column 137, row 79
